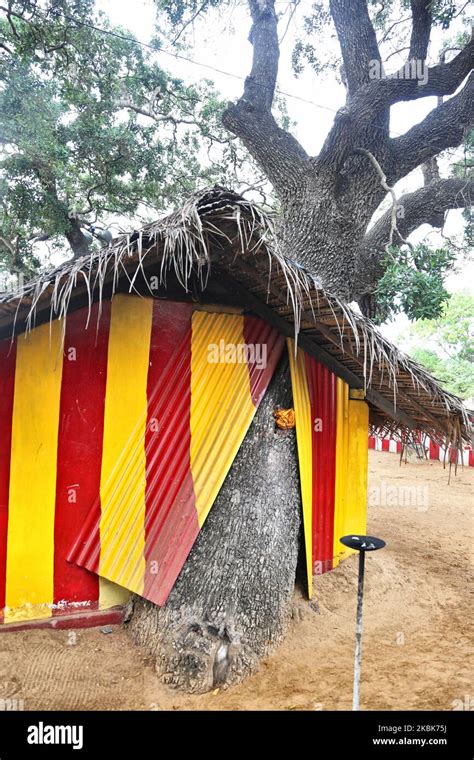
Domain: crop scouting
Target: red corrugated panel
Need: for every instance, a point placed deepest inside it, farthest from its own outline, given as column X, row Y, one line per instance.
column 171, row 523
column 7, row 383
column 323, row 399
column 258, row 332
column 79, row 449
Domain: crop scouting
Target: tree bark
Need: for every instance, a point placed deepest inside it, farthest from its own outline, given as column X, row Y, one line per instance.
column 77, row 240
column 232, row 600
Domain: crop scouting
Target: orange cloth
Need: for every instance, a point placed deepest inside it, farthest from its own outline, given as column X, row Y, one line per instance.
column 285, row 418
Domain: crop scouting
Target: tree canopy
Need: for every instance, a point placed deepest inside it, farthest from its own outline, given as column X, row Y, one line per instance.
column 93, row 131
column 448, row 344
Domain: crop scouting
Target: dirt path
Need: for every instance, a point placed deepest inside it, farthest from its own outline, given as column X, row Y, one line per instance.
column 416, row 621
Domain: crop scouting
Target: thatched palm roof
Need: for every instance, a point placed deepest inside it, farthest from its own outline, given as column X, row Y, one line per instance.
column 220, row 248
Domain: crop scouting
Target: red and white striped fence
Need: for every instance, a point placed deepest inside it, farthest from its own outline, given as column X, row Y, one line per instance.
column 432, row 449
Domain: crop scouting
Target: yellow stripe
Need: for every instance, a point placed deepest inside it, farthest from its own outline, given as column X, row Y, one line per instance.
column 123, row 474
column 358, row 461
column 304, row 423
column 351, row 470
column 32, row 499
column 221, row 404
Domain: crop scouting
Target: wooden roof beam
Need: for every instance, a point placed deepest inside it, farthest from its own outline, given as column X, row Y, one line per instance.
column 259, row 307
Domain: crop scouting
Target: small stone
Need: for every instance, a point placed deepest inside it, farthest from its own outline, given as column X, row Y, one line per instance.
column 107, row 629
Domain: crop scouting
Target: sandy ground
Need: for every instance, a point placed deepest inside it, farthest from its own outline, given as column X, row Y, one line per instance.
column 416, row 650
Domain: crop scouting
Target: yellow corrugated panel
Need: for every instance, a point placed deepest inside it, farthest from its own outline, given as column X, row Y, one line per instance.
column 351, row 499
column 358, row 457
column 221, row 405
column 123, row 475
column 304, row 423
column 32, row 500
column 342, row 466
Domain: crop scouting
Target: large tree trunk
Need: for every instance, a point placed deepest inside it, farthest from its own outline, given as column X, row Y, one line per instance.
column 232, row 600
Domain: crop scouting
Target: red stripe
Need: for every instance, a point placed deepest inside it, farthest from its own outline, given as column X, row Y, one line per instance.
column 399, row 447
column 371, row 442
column 268, row 345
column 471, row 458
column 81, row 429
column 385, row 444
column 171, row 523
column 323, row 400
column 7, row 384
column 434, row 450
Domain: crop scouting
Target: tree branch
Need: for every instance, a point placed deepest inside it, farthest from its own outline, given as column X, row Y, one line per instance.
column 420, row 30
column 190, row 21
column 388, row 189
column 430, row 170
column 427, row 205
column 278, row 153
column 259, row 86
column 444, row 127
column 128, row 105
column 390, row 29
column 442, row 79
column 357, row 40
column 369, row 102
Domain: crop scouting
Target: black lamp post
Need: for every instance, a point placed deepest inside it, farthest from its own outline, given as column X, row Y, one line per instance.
column 362, row 544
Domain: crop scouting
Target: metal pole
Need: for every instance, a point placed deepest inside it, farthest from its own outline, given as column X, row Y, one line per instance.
column 362, row 544
column 358, row 641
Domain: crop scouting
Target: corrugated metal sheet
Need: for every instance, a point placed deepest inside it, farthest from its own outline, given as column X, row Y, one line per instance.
column 332, row 442
column 304, row 433
column 126, row 435
column 201, row 394
column 33, row 472
column 322, row 391
column 7, row 383
column 342, row 464
column 51, row 414
column 351, row 506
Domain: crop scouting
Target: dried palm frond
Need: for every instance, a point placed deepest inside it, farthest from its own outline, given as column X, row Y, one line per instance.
column 218, row 227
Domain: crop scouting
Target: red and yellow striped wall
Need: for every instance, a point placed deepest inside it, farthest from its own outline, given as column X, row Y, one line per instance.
column 51, row 416
column 176, row 413
column 115, row 441
column 331, row 433
column 113, row 447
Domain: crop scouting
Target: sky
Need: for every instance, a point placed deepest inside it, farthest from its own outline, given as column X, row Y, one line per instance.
column 221, row 42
